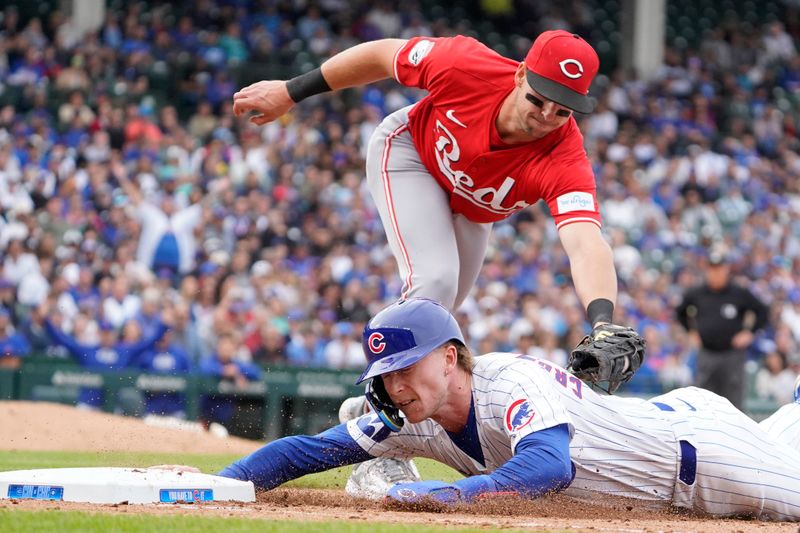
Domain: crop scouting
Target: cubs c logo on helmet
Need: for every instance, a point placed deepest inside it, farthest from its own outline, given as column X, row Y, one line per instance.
column 519, row 415
column 578, row 68
column 375, row 343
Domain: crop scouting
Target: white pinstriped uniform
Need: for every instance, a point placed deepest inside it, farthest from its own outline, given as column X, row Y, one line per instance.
column 621, row 446
column 784, row 425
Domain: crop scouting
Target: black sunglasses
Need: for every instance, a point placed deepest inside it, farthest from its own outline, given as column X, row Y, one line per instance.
column 539, row 103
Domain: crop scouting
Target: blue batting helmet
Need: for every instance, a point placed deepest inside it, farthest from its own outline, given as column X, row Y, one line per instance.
column 405, row 332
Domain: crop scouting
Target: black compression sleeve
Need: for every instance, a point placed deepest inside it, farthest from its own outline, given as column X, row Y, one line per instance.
column 600, row 310
column 306, row 85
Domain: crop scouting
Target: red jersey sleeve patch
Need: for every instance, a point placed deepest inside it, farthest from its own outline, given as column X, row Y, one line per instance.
column 575, row 206
column 573, row 196
column 415, row 63
column 424, row 61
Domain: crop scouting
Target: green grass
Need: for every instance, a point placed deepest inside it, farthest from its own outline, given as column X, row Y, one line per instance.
column 19, row 460
column 27, row 521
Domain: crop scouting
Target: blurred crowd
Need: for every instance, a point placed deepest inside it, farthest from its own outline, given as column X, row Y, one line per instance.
column 133, row 198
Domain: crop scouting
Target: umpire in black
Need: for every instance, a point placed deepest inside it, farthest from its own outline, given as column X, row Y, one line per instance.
column 724, row 315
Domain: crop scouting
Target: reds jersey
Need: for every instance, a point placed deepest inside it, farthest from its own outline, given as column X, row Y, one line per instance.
column 619, row 446
column 454, row 125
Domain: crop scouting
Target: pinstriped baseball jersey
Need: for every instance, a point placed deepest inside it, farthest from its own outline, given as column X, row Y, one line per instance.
column 740, row 467
column 784, row 425
column 620, row 446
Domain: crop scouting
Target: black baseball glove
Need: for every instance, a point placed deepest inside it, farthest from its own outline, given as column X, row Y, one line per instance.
column 611, row 353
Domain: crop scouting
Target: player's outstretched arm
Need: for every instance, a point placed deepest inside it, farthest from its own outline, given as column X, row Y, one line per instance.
column 591, row 262
column 611, row 353
column 293, row 457
column 541, row 465
column 362, row 64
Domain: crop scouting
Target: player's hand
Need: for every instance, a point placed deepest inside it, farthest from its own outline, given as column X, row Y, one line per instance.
column 611, row 353
column 424, row 493
column 269, row 99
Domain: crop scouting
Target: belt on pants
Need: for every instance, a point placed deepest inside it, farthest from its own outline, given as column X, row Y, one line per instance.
column 688, row 469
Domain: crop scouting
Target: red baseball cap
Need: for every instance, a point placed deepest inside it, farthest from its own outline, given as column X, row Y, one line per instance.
column 561, row 67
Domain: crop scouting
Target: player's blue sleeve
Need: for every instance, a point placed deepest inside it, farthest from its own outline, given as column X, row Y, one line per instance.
column 292, row 457
column 540, row 464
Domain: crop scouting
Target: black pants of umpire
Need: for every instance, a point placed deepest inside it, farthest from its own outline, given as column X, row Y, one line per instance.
column 723, row 372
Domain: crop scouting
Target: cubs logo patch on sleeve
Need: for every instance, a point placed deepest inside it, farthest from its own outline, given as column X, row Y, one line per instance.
column 575, row 201
column 419, row 51
column 519, row 414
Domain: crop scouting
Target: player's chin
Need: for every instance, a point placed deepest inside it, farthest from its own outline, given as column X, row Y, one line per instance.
column 539, row 127
column 414, row 412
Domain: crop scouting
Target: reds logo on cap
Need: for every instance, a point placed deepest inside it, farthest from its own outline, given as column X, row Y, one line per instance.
column 375, row 343
column 567, row 73
column 561, row 66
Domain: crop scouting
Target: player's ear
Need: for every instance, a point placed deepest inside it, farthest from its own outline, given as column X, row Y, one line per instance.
column 519, row 75
column 450, row 358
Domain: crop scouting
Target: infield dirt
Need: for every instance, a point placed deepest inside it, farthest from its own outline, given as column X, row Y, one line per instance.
column 52, row 427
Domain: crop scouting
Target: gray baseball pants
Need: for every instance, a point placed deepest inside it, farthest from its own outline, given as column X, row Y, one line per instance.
column 439, row 254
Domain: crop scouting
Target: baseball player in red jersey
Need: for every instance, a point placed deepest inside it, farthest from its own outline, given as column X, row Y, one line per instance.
column 492, row 137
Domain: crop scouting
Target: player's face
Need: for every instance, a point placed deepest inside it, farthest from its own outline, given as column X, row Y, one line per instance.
column 537, row 115
column 421, row 389
column 540, row 116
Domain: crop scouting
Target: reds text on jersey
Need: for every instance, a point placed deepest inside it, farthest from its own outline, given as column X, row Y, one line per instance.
column 453, row 128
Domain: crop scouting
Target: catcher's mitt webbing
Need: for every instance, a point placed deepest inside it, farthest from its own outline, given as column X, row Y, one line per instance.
column 611, row 353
